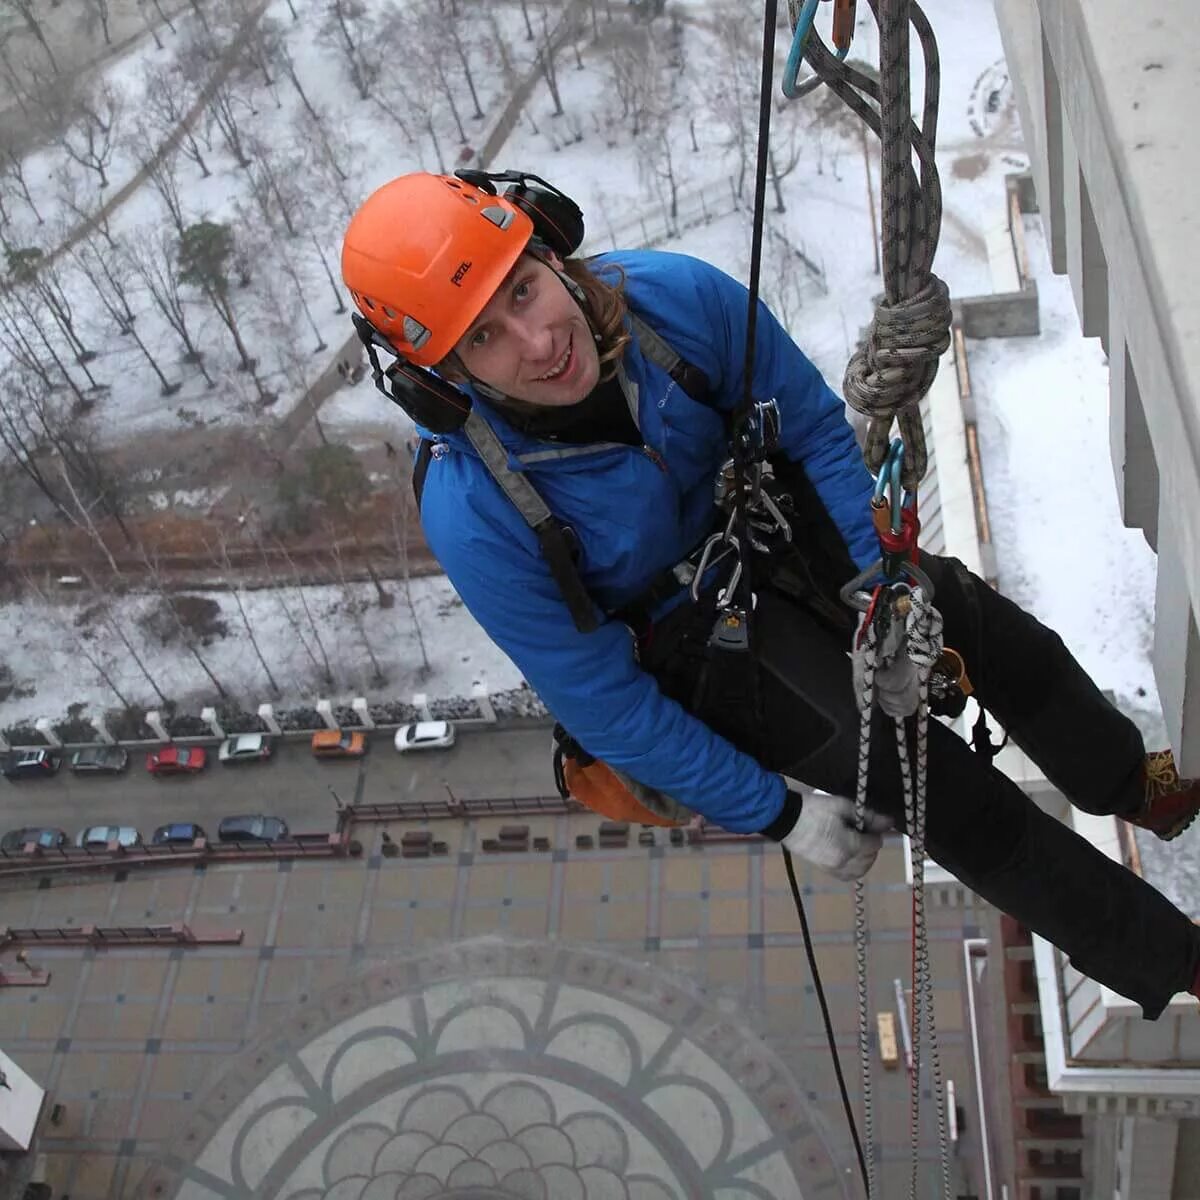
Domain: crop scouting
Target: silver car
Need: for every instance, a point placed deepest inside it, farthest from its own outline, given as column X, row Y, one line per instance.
column 98, row 836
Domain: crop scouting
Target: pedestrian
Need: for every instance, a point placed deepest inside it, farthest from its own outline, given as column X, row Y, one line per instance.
column 575, row 417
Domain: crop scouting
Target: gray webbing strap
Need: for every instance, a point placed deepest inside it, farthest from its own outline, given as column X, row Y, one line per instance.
column 652, row 346
column 557, row 543
column 516, row 487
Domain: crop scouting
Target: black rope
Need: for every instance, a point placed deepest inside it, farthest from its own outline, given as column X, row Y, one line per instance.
column 820, row 990
column 744, row 448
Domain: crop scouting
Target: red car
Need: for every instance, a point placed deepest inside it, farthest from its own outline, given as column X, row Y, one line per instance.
column 176, row 760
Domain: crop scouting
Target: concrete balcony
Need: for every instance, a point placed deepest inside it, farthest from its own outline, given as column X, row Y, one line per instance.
column 1108, row 93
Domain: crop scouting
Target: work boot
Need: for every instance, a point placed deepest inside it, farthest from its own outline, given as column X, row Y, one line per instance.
column 1171, row 803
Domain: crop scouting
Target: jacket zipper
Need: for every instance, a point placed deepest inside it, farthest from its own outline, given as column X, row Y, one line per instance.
column 656, row 458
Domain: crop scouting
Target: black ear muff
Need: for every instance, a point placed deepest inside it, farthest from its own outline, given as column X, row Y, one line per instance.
column 432, row 402
column 557, row 219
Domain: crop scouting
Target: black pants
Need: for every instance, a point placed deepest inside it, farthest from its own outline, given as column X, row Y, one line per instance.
column 1115, row 927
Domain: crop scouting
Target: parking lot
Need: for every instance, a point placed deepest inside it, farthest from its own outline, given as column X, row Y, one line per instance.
column 293, row 784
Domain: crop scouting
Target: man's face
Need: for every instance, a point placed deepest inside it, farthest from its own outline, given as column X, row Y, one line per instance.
column 532, row 342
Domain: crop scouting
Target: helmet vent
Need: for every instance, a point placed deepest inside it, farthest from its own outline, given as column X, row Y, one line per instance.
column 415, row 333
column 502, row 218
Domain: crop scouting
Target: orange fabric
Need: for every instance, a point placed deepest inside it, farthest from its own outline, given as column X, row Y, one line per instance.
column 432, row 248
column 597, row 787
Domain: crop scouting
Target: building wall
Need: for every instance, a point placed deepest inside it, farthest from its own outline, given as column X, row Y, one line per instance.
column 1106, row 95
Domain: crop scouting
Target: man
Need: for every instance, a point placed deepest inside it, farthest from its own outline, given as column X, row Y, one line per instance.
column 547, row 375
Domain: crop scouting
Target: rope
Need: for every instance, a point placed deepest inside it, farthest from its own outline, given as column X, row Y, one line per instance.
column 865, row 705
column 895, row 366
column 893, row 671
column 923, row 645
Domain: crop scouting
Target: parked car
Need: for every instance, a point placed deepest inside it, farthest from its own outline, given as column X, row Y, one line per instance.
column 245, row 747
column 176, row 760
column 101, row 835
column 100, row 760
column 30, row 764
column 339, row 743
column 179, row 833
column 425, row 735
column 252, row 828
column 47, row 839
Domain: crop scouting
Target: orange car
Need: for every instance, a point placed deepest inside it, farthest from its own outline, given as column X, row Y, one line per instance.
column 339, row 743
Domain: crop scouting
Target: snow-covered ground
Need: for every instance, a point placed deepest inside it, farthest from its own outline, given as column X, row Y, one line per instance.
column 1041, row 402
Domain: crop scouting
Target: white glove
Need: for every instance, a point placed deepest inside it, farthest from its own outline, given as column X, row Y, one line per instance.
column 826, row 835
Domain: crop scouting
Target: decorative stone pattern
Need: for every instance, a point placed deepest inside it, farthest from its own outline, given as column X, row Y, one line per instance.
column 503, row 1070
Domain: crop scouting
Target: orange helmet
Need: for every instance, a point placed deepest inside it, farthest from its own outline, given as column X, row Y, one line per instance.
column 423, row 256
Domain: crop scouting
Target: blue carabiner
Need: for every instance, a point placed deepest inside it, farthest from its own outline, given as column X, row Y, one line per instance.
column 889, row 481
column 796, row 53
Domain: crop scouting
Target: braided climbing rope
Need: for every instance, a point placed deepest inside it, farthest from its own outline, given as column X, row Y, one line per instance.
column 895, row 366
column 911, row 659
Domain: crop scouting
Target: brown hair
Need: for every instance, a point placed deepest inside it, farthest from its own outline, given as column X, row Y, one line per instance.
column 604, row 304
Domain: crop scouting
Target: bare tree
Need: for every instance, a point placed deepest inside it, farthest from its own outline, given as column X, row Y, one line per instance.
column 733, row 100
column 450, row 27
column 171, row 609
column 322, row 666
column 348, row 28
column 108, row 273
column 206, row 256
column 167, row 101
column 86, row 522
column 401, row 524
column 153, row 259
column 19, row 340
column 272, row 186
column 78, row 639
column 78, row 200
column 29, row 268
column 12, row 169
column 547, row 65
column 220, row 555
column 23, row 10
column 149, row 21
column 23, row 333
column 104, row 610
column 355, row 608
column 101, row 11
column 285, row 263
column 222, row 109
column 162, row 173
column 337, row 291
column 21, row 439
column 92, row 137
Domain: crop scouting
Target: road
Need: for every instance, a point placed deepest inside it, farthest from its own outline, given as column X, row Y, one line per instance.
column 292, row 785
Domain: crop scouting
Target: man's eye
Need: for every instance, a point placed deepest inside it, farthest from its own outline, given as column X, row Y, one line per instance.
column 522, row 290
column 479, row 337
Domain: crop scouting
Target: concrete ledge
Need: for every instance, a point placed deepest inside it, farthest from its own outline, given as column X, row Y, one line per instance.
column 1008, row 314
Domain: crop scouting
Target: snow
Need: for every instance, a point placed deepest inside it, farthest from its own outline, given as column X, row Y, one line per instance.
column 1062, row 550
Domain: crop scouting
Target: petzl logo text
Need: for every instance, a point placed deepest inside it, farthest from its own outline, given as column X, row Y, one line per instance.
column 458, row 275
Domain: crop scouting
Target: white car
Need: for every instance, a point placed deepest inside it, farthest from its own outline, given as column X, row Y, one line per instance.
column 101, row 835
column 425, row 735
column 245, row 747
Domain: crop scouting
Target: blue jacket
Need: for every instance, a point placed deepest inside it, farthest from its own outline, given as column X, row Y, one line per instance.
column 637, row 511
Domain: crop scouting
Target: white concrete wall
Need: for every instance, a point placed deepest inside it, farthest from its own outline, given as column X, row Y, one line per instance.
column 20, row 1106
column 1108, row 93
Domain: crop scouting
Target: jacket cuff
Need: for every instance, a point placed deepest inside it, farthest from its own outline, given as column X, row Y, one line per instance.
column 789, row 814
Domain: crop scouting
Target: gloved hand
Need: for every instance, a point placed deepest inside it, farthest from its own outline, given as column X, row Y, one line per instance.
column 826, row 835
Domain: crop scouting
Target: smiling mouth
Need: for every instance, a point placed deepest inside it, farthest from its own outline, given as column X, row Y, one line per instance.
column 559, row 367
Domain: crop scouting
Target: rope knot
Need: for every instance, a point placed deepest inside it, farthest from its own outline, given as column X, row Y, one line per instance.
column 893, row 369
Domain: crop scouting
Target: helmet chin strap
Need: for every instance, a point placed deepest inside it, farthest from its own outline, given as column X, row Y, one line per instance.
column 541, row 252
